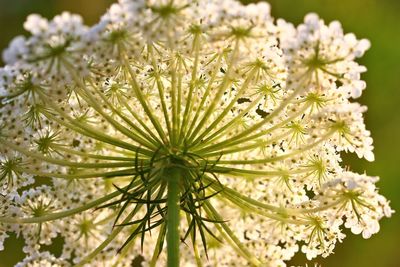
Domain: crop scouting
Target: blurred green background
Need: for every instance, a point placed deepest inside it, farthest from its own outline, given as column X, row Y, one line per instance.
column 377, row 20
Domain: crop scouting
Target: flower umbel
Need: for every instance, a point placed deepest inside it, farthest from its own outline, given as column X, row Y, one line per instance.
column 178, row 132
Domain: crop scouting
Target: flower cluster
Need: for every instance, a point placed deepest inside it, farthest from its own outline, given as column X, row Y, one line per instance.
column 183, row 132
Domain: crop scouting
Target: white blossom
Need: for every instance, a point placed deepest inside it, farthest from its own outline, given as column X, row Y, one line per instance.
column 203, row 129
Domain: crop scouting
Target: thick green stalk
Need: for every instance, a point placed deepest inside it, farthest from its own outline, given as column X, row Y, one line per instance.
column 173, row 219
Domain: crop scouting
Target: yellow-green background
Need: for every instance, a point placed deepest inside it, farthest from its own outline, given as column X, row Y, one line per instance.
column 377, row 20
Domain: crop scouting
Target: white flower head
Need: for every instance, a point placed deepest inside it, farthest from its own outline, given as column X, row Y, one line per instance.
column 183, row 133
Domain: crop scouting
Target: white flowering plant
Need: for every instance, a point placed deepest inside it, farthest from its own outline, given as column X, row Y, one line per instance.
column 183, row 133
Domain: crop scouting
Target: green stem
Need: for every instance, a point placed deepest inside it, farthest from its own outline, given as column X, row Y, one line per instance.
column 116, row 125
column 105, row 243
column 62, row 162
column 61, row 214
column 157, row 248
column 85, row 129
column 234, row 122
column 230, row 236
column 227, row 109
column 173, row 219
column 256, row 143
column 161, row 89
column 213, row 76
column 63, row 148
column 225, row 83
column 283, row 156
column 134, row 126
column 188, row 106
column 142, row 99
column 231, row 142
column 267, row 119
column 139, row 120
column 81, row 175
